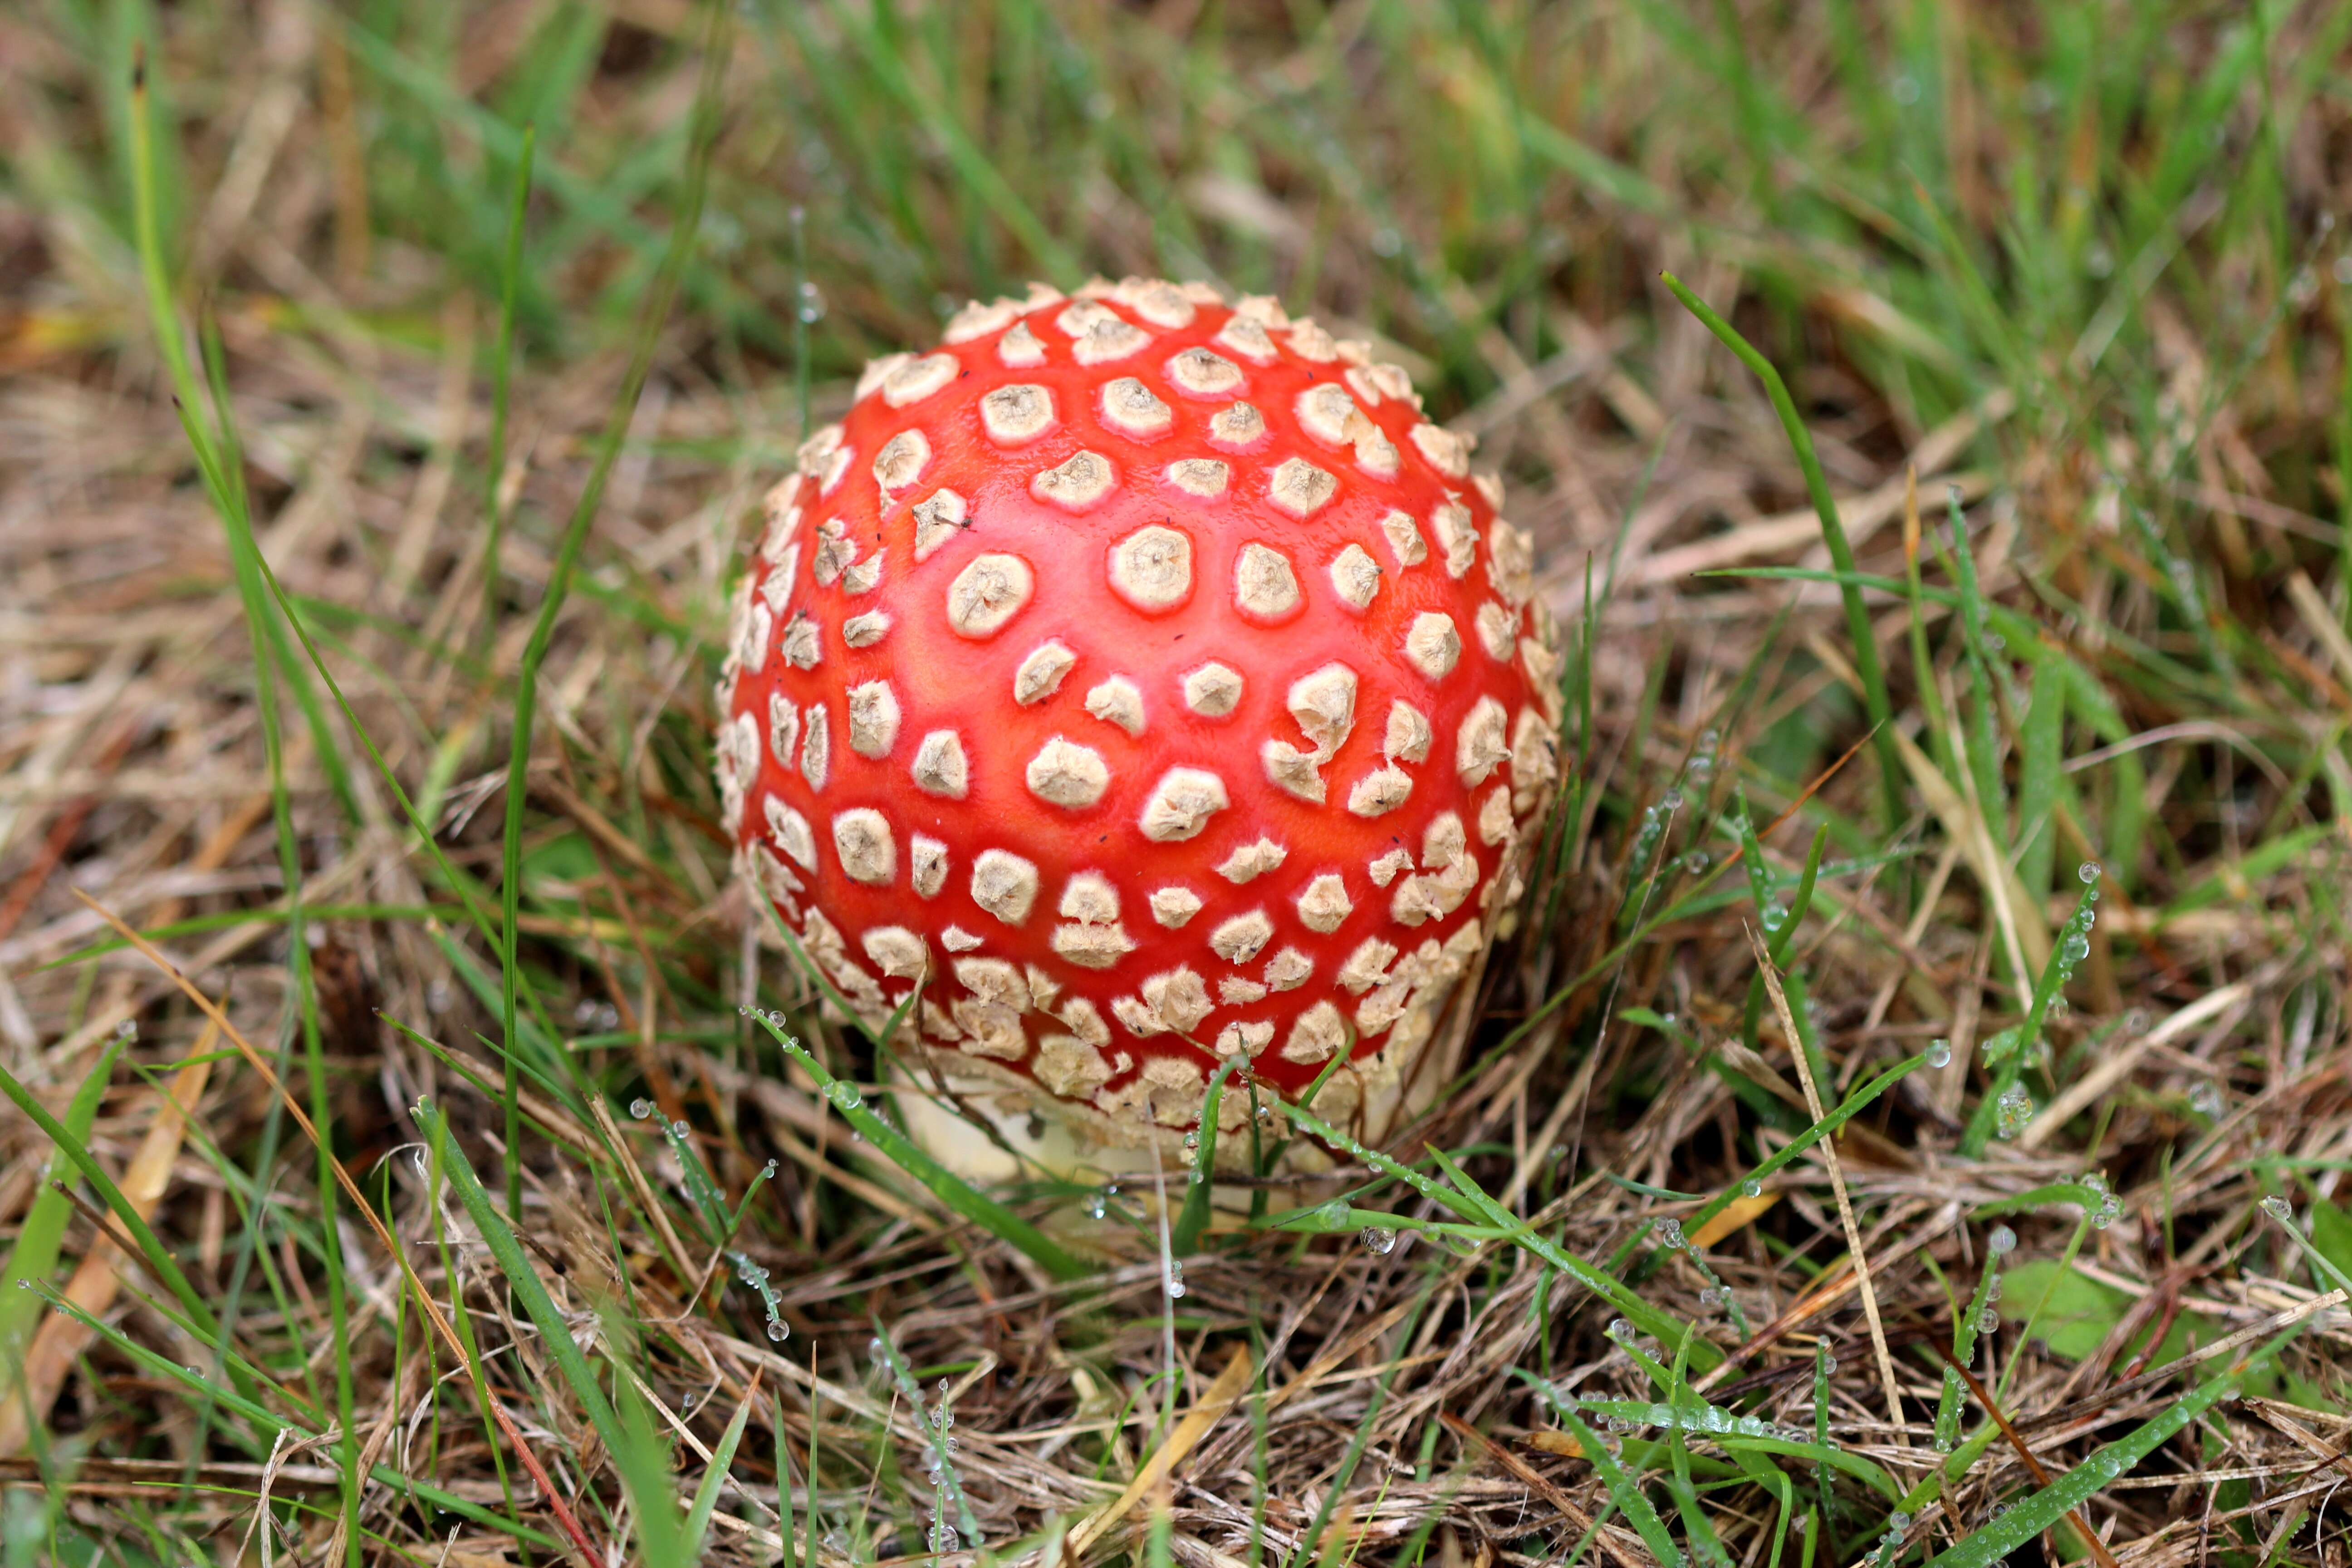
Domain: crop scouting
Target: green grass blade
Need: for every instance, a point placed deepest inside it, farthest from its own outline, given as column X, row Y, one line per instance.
column 152, row 1253
column 643, row 1463
column 2039, row 765
column 935, row 1436
column 2010, row 1052
column 1705, row 1541
column 1193, row 1219
column 2008, row 1530
column 706, row 1495
column 501, row 386
column 34, row 1253
column 1817, row 485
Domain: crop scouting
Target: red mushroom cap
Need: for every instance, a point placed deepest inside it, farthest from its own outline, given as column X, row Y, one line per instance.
column 1148, row 681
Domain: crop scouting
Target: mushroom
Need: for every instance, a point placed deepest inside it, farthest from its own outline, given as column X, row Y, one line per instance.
column 1143, row 680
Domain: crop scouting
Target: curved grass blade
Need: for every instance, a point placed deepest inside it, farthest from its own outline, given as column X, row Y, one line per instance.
column 951, row 1189
column 1865, row 650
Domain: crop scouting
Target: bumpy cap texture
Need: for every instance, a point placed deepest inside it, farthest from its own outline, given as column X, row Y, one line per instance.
column 1147, row 680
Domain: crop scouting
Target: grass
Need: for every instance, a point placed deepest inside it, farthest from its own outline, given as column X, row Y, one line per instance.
column 1934, row 425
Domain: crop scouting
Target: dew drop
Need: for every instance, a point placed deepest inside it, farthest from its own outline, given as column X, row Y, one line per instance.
column 1751, row 1188
column 2013, row 1112
column 1379, row 1238
column 776, row 1330
column 1987, row 1320
column 641, row 1109
column 1939, row 1053
column 2002, row 1241
column 2279, row 1209
column 2087, row 872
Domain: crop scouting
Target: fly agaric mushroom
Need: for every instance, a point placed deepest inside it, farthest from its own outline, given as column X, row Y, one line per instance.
column 1144, row 680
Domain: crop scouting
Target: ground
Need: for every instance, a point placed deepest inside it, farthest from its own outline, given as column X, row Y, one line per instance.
column 1954, row 1221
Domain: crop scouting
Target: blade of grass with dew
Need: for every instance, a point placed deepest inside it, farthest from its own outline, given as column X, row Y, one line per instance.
column 683, row 234
column 1623, row 1490
column 935, row 1434
column 1480, row 1204
column 961, row 1197
column 1965, row 1329
column 637, row 1452
column 1700, row 1531
column 1999, row 1107
column 1865, row 643
column 2008, row 1530
column 1837, row 1117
